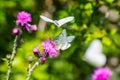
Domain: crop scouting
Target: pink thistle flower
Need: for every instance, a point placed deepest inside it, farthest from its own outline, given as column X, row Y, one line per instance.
column 49, row 47
column 23, row 18
column 101, row 74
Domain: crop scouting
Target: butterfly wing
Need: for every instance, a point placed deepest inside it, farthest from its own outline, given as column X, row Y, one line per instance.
column 60, row 40
column 94, row 55
column 58, row 43
column 97, row 60
column 46, row 19
column 67, row 41
column 70, row 38
column 65, row 46
column 64, row 20
column 96, row 46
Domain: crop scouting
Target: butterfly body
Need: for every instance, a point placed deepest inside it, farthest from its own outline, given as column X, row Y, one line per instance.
column 58, row 22
column 94, row 55
column 62, row 41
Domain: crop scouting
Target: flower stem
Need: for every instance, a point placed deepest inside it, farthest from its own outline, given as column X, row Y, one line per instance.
column 32, row 68
column 16, row 42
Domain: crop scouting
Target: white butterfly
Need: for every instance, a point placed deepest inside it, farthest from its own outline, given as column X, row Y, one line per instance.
column 62, row 41
column 58, row 22
column 94, row 55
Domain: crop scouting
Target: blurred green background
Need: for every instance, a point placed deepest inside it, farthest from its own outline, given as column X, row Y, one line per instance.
column 94, row 19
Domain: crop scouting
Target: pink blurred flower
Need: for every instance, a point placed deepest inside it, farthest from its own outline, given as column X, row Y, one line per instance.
column 49, row 47
column 101, row 74
column 23, row 18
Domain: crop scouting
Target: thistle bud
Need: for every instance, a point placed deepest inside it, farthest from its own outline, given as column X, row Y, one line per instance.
column 16, row 31
column 43, row 59
column 36, row 52
column 33, row 27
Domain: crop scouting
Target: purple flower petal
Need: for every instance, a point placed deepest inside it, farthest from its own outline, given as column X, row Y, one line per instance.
column 23, row 18
column 49, row 47
column 101, row 74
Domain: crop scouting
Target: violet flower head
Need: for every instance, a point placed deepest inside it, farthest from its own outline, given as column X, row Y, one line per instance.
column 49, row 47
column 101, row 74
column 23, row 18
